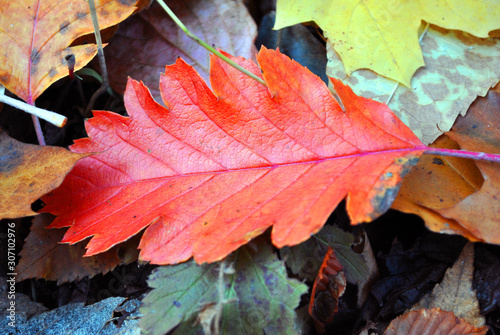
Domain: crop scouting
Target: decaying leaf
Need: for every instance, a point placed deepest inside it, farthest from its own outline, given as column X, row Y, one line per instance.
column 413, row 272
column 328, row 287
column 44, row 257
column 363, row 247
column 153, row 40
column 214, row 170
column 36, row 36
column 304, row 259
column 438, row 182
column 451, row 308
column 480, row 131
column 456, row 199
column 29, row 171
column 259, row 297
column 458, row 68
column 455, row 293
column 382, row 35
column 355, row 255
column 432, row 321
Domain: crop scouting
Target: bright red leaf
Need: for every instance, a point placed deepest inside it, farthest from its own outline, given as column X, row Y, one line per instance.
column 214, row 170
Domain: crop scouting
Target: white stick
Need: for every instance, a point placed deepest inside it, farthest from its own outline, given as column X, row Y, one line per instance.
column 54, row 118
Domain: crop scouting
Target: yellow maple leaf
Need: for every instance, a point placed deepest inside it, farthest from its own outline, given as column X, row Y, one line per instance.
column 382, row 35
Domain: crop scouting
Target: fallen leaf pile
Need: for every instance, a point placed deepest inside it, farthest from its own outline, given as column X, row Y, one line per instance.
column 208, row 173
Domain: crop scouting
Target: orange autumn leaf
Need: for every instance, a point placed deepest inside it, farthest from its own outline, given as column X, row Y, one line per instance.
column 460, row 196
column 29, row 171
column 215, row 169
column 37, row 34
column 479, row 130
column 438, row 182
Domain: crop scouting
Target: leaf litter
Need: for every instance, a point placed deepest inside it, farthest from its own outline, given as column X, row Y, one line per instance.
column 376, row 249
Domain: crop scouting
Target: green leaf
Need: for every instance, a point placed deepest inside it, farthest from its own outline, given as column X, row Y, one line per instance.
column 179, row 291
column 305, row 259
column 258, row 295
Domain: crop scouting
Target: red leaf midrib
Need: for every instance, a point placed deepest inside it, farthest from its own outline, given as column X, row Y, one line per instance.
column 273, row 166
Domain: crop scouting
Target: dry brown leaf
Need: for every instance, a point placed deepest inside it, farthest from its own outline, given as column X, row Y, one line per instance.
column 439, row 182
column 431, row 322
column 451, row 308
column 329, row 286
column 44, row 257
column 455, row 293
column 449, row 193
column 363, row 247
column 153, row 40
column 29, row 171
column 480, row 131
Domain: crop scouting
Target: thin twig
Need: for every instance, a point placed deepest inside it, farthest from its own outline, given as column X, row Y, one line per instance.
column 54, row 118
column 38, row 130
column 220, row 303
column 397, row 83
column 206, row 46
column 102, row 60
column 463, row 154
column 392, row 93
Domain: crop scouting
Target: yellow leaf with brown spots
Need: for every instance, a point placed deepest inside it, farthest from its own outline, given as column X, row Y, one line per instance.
column 35, row 39
column 29, row 171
